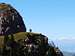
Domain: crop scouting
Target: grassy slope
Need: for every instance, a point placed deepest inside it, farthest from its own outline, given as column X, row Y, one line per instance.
column 17, row 36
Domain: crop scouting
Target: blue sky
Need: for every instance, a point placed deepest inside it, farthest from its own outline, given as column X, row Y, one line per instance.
column 54, row 18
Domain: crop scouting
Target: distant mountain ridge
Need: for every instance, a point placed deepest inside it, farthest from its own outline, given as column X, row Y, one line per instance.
column 68, row 54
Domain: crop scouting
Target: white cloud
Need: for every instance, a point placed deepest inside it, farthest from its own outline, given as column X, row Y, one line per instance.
column 62, row 38
column 64, row 43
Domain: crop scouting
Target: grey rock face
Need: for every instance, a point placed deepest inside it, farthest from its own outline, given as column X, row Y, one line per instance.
column 10, row 20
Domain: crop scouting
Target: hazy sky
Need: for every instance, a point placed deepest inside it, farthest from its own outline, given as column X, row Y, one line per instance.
column 54, row 18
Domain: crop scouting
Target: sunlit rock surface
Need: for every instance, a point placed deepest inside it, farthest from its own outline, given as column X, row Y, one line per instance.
column 10, row 20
